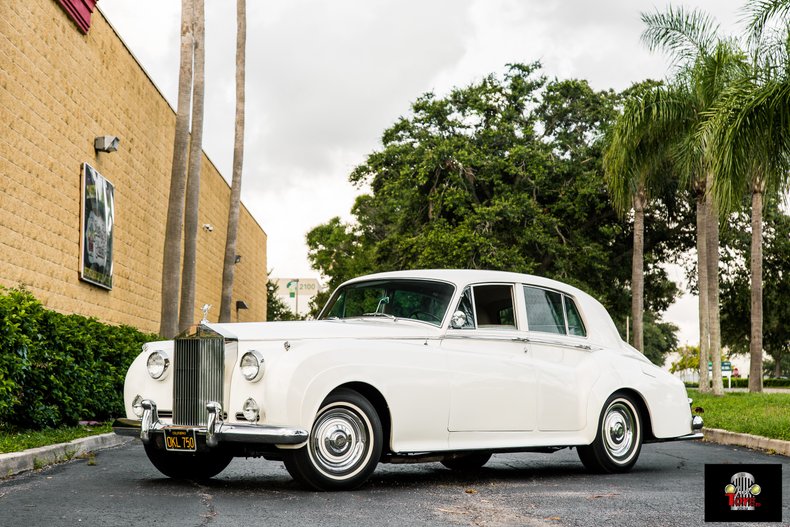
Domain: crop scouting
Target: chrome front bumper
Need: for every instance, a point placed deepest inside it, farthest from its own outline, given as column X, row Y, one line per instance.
column 215, row 432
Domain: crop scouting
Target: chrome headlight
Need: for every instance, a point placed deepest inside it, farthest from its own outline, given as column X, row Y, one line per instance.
column 158, row 362
column 251, row 365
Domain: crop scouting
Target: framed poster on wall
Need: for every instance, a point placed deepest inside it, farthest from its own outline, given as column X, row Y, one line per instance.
column 97, row 218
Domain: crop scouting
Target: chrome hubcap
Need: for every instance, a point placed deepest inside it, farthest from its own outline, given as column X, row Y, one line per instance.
column 339, row 442
column 618, row 431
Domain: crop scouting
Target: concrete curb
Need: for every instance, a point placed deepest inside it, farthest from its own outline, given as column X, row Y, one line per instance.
column 725, row 437
column 16, row 462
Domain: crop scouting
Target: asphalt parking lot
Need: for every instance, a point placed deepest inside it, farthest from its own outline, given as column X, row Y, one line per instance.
column 120, row 487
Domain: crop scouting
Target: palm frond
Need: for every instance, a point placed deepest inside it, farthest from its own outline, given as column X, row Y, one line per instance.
column 751, row 131
column 759, row 14
column 684, row 35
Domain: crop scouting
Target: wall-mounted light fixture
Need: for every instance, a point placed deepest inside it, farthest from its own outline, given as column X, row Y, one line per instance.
column 238, row 258
column 106, row 143
column 240, row 304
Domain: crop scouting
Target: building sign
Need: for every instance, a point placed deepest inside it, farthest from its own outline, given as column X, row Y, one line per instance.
column 98, row 216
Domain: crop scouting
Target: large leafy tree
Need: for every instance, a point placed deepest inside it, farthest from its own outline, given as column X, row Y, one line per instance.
column 502, row 174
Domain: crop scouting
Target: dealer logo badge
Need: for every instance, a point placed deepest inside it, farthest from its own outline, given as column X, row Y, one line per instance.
column 737, row 492
column 742, row 492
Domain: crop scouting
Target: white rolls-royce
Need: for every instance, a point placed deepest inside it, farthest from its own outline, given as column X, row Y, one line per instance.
column 438, row 365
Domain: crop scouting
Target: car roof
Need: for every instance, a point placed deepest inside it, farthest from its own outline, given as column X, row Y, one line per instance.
column 463, row 277
column 600, row 328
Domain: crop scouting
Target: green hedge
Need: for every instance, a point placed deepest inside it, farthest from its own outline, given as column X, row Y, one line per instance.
column 58, row 369
column 743, row 382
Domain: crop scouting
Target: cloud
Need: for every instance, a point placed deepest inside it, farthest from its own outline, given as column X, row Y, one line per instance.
column 325, row 79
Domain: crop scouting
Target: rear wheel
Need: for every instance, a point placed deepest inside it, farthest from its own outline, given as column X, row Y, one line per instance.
column 197, row 466
column 467, row 462
column 619, row 439
column 344, row 446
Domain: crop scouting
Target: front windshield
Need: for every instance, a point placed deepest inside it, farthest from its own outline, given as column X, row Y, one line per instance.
column 415, row 299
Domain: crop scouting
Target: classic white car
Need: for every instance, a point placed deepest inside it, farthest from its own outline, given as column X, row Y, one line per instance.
column 439, row 365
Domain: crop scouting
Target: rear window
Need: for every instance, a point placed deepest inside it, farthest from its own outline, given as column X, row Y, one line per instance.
column 552, row 312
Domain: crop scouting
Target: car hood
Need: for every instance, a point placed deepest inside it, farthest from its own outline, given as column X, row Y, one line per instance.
column 357, row 328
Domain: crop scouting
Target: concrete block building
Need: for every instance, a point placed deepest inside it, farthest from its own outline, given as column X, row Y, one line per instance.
column 67, row 78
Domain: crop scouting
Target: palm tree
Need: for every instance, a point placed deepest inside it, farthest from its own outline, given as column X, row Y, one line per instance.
column 238, row 156
column 634, row 165
column 171, row 254
column 704, row 66
column 189, row 270
column 751, row 128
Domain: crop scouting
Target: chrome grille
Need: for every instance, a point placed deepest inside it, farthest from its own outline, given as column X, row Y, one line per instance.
column 199, row 371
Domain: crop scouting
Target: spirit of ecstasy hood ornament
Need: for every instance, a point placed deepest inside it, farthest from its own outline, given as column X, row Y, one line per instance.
column 205, row 309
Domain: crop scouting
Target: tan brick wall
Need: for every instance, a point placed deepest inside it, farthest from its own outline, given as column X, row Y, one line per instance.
column 58, row 90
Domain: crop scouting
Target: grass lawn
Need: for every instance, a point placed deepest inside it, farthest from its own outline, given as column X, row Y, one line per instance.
column 18, row 440
column 762, row 414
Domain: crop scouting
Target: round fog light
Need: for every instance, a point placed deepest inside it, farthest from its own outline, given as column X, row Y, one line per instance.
column 251, row 410
column 137, row 406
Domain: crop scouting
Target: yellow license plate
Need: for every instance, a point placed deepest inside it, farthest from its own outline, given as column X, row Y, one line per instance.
column 180, row 440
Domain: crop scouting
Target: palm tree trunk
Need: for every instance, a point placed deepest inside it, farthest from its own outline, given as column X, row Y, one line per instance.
column 238, row 157
column 189, row 271
column 171, row 254
column 756, row 264
column 702, row 285
column 637, row 270
column 714, row 325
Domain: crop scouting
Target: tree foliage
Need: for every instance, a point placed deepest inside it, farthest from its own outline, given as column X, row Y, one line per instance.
column 736, row 283
column 502, row 174
column 276, row 309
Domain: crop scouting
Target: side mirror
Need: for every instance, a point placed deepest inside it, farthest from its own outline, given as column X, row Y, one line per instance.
column 459, row 320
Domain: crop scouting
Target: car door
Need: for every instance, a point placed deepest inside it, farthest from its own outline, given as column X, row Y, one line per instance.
column 492, row 376
column 561, row 355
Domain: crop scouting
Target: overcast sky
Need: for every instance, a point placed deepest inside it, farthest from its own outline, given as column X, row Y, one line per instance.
column 326, row 78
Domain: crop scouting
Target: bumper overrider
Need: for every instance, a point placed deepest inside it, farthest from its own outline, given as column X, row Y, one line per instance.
column 215, row 432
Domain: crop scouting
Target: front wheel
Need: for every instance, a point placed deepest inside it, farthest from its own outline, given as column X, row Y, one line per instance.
column 344, row 446
column 619, row 438
column 198, row 466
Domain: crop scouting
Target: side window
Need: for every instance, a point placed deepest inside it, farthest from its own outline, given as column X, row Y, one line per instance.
column 575, row 324
column 465, row 306
column 544, row 310
column 494, row 306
